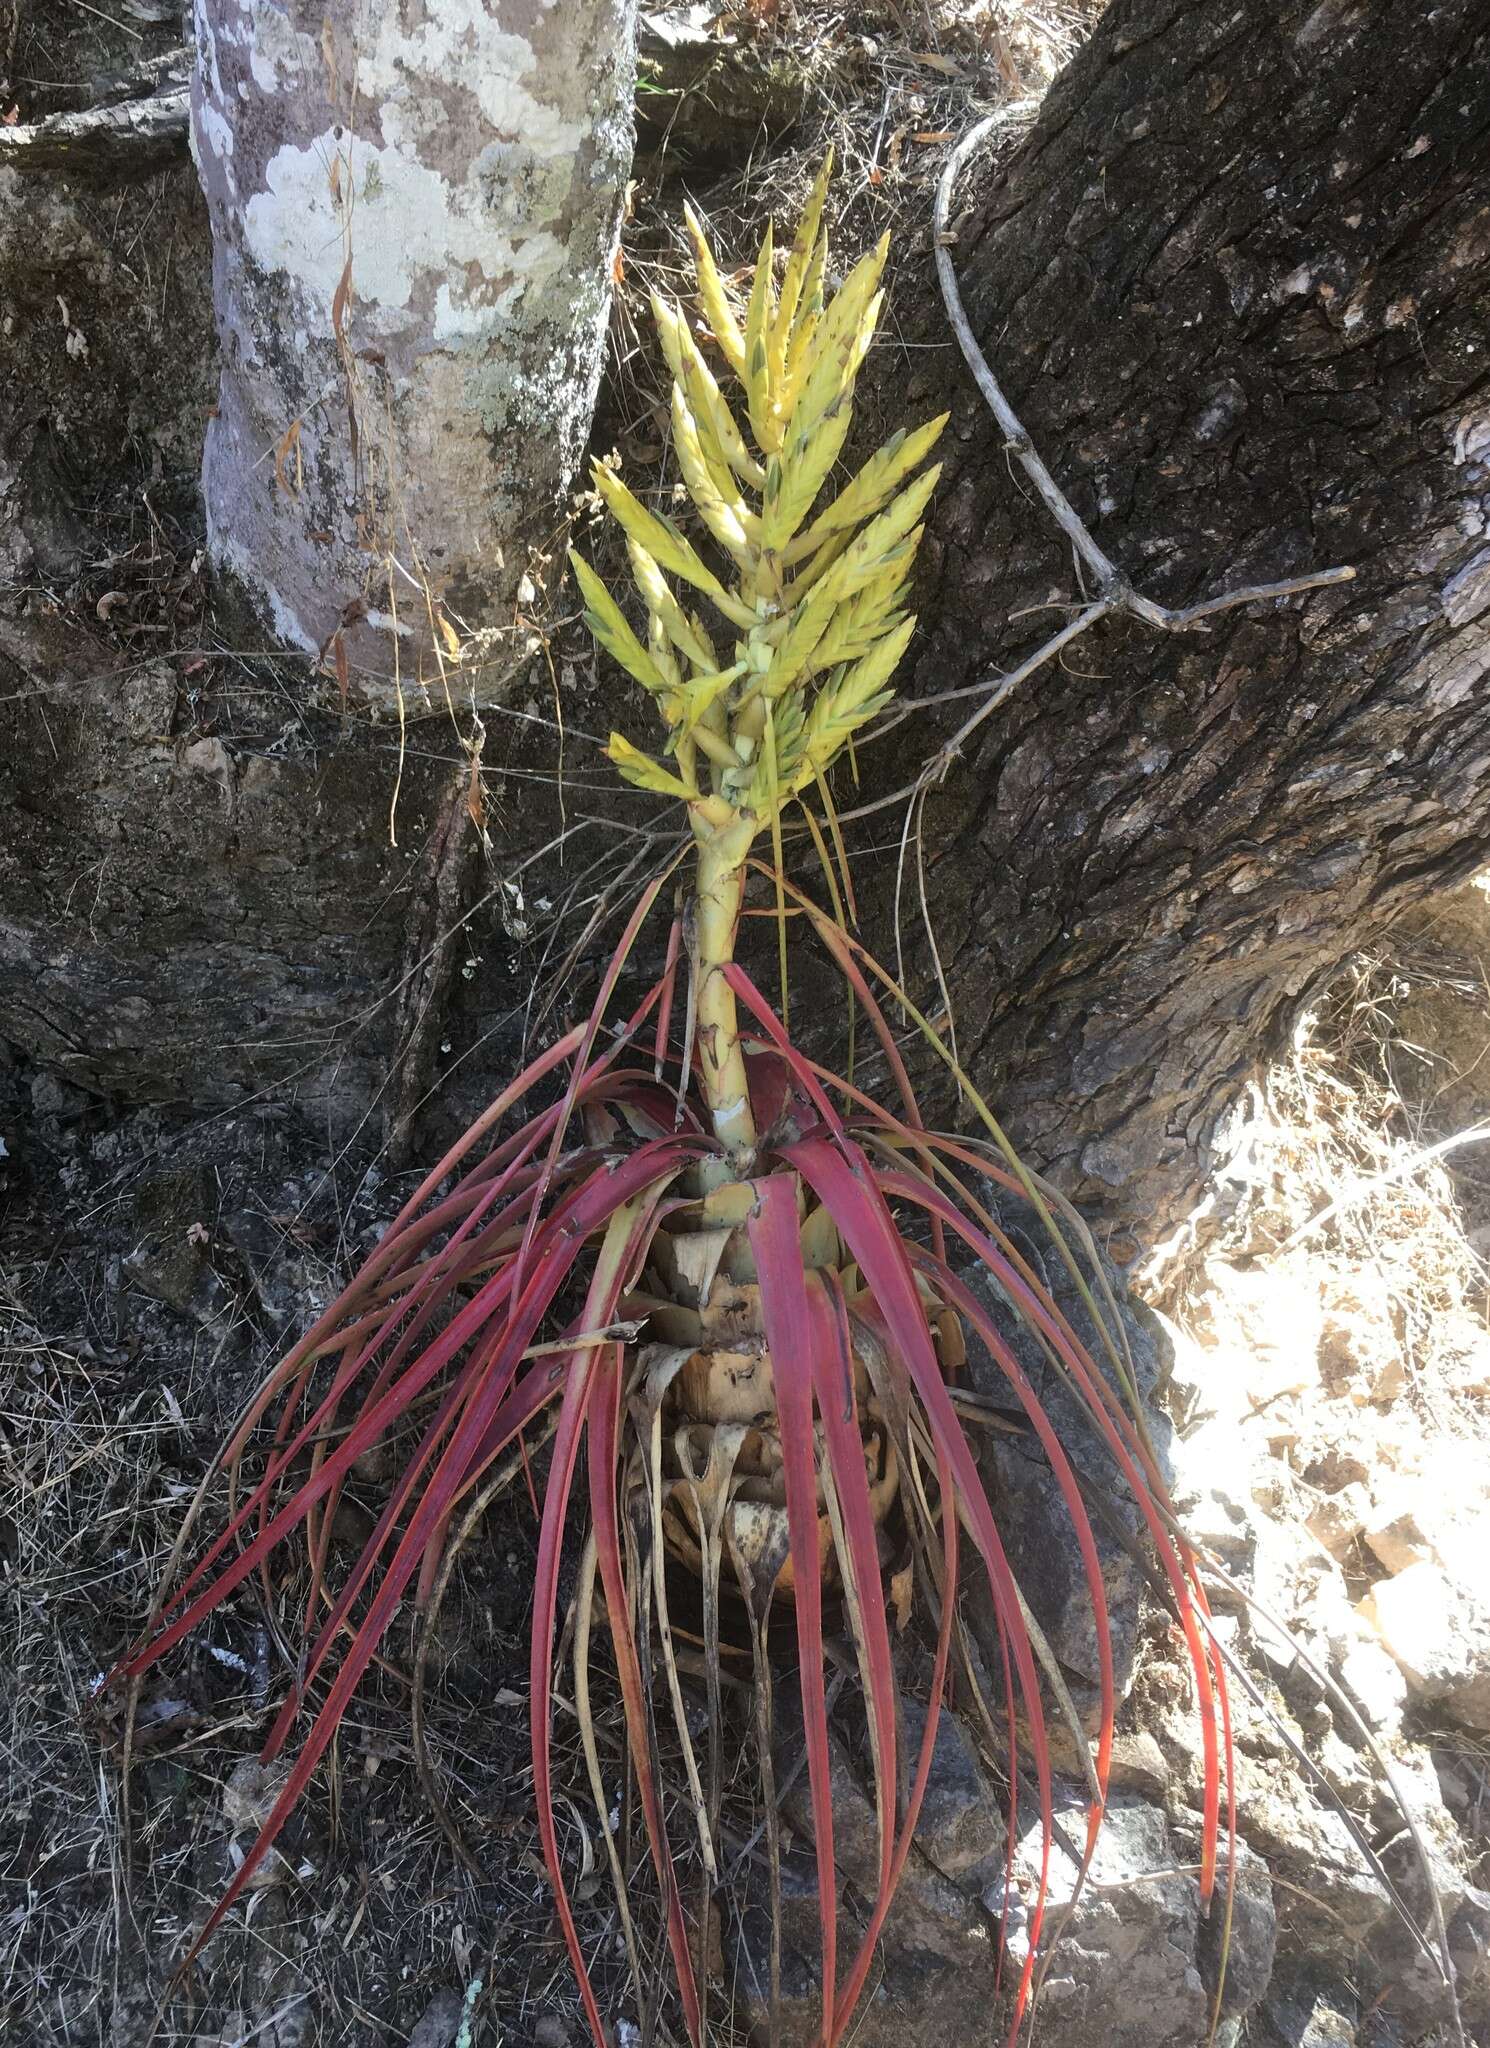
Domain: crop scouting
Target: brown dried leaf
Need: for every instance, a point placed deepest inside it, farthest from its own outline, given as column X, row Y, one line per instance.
column 342, row 300
column 289, row 443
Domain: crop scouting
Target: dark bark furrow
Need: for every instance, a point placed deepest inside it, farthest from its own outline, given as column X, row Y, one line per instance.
column 1236, row 284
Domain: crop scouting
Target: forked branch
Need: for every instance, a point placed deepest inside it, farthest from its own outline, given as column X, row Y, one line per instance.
column 1114, row 593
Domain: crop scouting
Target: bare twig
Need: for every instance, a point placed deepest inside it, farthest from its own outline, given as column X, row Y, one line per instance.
column 1114, row 593
column 1403, row 1169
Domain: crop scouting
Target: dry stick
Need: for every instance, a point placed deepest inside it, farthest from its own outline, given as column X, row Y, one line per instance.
column 1115, row 594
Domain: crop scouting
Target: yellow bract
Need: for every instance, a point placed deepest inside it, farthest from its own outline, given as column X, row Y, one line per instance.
column 815, row 602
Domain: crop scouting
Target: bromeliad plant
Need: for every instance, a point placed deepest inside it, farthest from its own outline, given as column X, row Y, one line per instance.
column 733, row 1283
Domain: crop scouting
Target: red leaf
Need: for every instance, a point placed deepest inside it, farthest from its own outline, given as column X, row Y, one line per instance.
column 776, row 1242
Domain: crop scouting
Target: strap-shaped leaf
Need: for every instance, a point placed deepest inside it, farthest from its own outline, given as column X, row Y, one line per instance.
column 857, row 695
column 682, row 628
column 841, row 341
column 758, row 319
column 606, row 621
column 881, row 475
column 724, row 515
column 804, row 242
column 667, row 546
column 643, row 772
column 809, row 316
column 718, row 311
column 708, row 401
column 801, row 474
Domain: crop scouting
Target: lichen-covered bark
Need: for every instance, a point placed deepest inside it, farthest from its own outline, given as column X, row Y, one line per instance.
column 1238, row 286
column 415, row 207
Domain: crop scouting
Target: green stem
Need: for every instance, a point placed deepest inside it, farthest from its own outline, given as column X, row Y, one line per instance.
column 722, row 852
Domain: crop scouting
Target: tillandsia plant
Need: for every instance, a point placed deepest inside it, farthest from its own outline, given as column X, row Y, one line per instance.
column 735, row 1285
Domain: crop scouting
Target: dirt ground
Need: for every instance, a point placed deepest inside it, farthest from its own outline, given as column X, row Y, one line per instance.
column 150, row 1270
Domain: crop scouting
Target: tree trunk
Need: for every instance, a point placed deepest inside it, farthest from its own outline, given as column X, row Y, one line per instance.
column 415, row 213
column 1237, row 284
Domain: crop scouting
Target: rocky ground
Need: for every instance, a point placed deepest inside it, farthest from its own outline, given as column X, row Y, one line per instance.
column 1316, row 1372
column 1317, row 1376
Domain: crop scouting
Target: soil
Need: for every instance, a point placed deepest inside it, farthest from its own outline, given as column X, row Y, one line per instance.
column 150, row 1267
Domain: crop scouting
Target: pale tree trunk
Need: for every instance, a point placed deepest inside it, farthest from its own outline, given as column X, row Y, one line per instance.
column 415, row 207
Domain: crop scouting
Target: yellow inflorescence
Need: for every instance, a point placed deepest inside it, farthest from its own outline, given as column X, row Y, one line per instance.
column 816, row 603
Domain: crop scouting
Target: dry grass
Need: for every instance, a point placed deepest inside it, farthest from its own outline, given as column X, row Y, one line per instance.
column 103, row 1882
column 889, row 87
column 1338, row 1175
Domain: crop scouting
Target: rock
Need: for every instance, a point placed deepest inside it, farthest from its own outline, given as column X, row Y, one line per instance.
column 1333, row 1895
column 52, row 1100
column 1397, row 1542
column 942, row 1992
column 1469, row 1945
column 961, row 1830
column 1374, row 1681
column 247, row 1800
column 1439, row 1633
column 1416, row 1980
column 1270, row 1321
column 1337, row 1519
column 439, row 2023
column 1135, row 1965
column 1033, row 1520
column 1138, row 1763
column 1211, row 1495
column 931, row 1915
column 1309, row 2009
column 174, row 1215
column 250, row 1792
column 1254, row 1937
column 1440, row 1511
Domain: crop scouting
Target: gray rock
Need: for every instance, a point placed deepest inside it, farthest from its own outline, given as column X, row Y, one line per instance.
column 171, row 1259
column 933, row 1981
column 1437, row 1628
column 931, row 1915
column 1334, row 1896
column 1136, row 1965
column 1308, row 2009
column 439, row 2023
column 1033, row 1519
column 961, row 1830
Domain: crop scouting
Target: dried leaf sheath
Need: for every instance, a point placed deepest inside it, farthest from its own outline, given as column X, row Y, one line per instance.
column 736, row 1278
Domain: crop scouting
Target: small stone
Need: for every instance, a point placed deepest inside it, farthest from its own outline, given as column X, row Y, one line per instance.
column 247, row 1800
column 439, row 2023
column 961, row 1829
column 1135, row 1968
column 1439, row 1634
column 1310, row 2011
column 1375, row 1682
column 1398, row 1543
column 248, row 1796
column 1336, row 1519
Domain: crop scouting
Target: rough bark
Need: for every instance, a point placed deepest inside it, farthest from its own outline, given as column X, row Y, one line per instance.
column 138, row 123
column 702, row 95
column 1236, row 284
column 414, row 211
